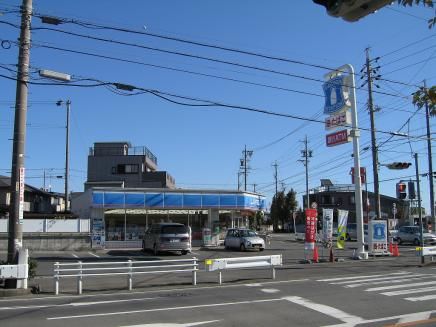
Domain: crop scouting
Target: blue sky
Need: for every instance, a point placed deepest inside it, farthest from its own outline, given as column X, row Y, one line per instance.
column 201, row 146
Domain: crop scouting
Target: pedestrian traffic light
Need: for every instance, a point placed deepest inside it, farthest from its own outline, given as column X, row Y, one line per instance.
column 401, row 191
column 351, row 10
column 399, row 165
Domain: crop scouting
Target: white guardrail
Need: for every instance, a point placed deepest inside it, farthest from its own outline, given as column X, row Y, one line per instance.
column 219, row 265
column 129, row 268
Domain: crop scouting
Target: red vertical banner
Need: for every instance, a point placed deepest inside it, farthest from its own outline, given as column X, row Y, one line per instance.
column 310, row 239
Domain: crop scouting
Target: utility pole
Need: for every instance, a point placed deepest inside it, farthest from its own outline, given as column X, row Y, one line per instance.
column 306, row 155
column 275, row 175
column 15, row 233
column 430, row 164
column 67, row 155
column 246, row 156
column 373, row 138
column 421, row 228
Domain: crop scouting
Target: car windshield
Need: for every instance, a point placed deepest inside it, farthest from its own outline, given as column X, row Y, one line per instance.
column 174, row 230
column 247, row 233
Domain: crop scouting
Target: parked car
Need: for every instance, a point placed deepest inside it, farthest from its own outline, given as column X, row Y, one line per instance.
column 243, row 239
column 351, row 232
column 412, row 234
column 165, row 237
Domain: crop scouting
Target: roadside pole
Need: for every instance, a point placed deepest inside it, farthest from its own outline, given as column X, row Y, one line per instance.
column 15, row 233
column 419, row 209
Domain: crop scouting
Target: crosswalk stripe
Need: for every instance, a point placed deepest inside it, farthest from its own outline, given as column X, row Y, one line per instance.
column 365, row 276
column 421, row 298
column 380, row 279
column 393, row 281
column 374, row 289
column 410, row 291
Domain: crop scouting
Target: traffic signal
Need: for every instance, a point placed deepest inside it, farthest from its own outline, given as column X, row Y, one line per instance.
column 399, row 165
column 411, row 187
column 351, row 10
column 401, row 191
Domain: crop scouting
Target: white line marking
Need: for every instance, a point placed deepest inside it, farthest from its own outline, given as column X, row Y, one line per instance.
column 364, row 276
column 270, row 290
column 325, row 309
column 371, row 321
column 195, row 253
column 74, row 255
column 411, row 291
column 415, row 317
column 395, row 281
column 76, row 304
column 93, row 254
column 197, row 288
column 175, row 325
column 382, row 278
column 392, row 287
column 165, row 309
column 421, row 298
column 254, row 285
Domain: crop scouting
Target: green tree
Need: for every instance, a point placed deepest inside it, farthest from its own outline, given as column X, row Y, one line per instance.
column 277, row 209
column 290, row 206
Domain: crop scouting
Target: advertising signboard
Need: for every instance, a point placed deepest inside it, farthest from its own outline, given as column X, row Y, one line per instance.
column 341, row 119
column 21, row 200
column 327, row 227
column 336, row 95
column 337, row 138
column 310, row 233
column 377, row 237
column 98, row 233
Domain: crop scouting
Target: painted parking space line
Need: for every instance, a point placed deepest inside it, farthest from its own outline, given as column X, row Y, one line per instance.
column 394, row 281
column 270, row 290
column 75, row 255
column 391, row 287
column 421, row 298
column 384, row 279
column 93, row 254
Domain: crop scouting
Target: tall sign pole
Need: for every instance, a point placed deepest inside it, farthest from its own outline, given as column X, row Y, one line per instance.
column 340, row 93
column 15, row 233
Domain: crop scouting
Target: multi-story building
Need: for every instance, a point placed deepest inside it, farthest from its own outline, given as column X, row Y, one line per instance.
column 118, row 164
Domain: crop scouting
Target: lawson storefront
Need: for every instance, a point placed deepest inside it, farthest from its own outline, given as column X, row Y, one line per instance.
column 119, row 216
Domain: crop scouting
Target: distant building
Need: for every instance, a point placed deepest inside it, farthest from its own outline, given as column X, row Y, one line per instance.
column 118, row 164
column 37, row 203
column 342, row 197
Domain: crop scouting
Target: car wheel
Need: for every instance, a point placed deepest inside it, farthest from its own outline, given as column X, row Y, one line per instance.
column 184, row 252
column 261, row 249
column 416, row 242
column 242, row 247
column 155, row 252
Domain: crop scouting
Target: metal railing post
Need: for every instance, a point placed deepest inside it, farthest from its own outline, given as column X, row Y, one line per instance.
column 194, row 272
column 79, row 279
column 56, row 278
column 220, row 280
column 273, row 272
column 129, row 276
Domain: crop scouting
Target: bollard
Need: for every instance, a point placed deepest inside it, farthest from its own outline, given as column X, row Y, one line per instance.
column 194, row 272
column 273, row 272
column 129, row 276
column 79, row 279
column 56, row 276
column 220, row 279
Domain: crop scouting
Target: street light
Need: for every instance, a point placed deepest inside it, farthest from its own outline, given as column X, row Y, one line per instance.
column 64, row 78
column 67, row 146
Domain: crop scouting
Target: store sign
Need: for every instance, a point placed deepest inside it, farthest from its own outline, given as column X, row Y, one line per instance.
column 377, row 237
column 337, row 138
column 362, row 175
column 341, row 119
column 336, row 95
column 310, row 233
